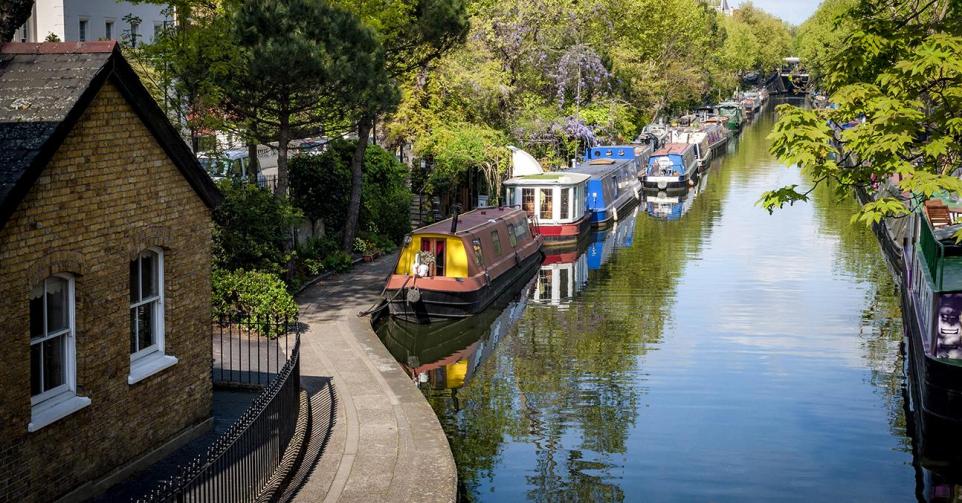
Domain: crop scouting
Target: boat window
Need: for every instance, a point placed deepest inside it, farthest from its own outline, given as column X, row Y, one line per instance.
column 510, row 200
column 512, row 237
column 436, row 248
column 478, row 256
column 527, row 201
column 563, row 283
column 496, row 240
column 566, row 203
column 544, row 284
column 522, row 230
column 547, row 210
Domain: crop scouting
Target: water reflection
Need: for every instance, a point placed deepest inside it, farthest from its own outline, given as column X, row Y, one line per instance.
column 565, row 272
column 725, row 356
column 674, row 206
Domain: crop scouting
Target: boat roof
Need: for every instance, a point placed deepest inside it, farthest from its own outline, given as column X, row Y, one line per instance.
column 673, row 149
column 600, row 167
column 549, row 178
column 470, row 219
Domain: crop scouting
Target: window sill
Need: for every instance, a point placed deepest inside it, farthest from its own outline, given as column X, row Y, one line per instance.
column 55, row 409
column 148, row 366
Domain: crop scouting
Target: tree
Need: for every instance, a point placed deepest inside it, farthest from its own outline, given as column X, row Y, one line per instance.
column 301, row 64
column 13, row 13
column 414, row 34
column 896, row 79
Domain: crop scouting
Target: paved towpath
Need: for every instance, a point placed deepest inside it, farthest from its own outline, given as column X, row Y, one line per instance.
column 386, row 444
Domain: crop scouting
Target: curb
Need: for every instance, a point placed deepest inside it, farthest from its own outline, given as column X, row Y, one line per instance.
column 292, row 455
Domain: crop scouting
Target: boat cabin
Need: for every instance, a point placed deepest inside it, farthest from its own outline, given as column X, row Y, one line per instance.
column 671, row 167
column 613, row 185
column 552, row 198
column 935, row 279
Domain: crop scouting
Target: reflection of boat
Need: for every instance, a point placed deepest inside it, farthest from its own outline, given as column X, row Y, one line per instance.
column 563, row 275
column 614, row 187
column 605, row 243
column 457, row 267
column 937, row 458
column 446, row 354
column 932, row 292
column 673, row 206
column 556, row 200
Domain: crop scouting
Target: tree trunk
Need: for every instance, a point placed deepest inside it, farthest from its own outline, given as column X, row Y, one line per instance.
column 283, row 137
column 253, row 166
column 357, row 181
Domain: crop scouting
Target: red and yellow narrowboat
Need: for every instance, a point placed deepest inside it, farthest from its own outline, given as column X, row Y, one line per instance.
column 456, row 267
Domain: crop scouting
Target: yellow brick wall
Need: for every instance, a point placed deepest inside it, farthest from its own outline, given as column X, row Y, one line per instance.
column 109, row 192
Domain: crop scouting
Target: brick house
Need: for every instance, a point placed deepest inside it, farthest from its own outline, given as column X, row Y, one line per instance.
column 105, row 243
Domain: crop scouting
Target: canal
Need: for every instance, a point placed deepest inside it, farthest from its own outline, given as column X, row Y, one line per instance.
column 711, row 352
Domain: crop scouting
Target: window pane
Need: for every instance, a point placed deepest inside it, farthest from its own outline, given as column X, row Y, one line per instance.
column 53, row 362
column 35, row 369
column 563, row 283
column 134, row 281
column 148, row 275
column 565, row 204
column 527, row 201
column 56, row 305
column 133, row 330
column 36, row 312
column 145, row 326
column 546, row 204
column 496, row 241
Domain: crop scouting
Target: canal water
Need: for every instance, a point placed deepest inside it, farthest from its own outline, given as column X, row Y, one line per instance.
column 706, row 351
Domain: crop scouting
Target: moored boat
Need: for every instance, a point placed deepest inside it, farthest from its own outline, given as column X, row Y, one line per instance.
column 612, row 190
column 456, row 267
column 672, row 167
column 932, row 290
column 556, row 200
column 733, row 113
column 706, row 138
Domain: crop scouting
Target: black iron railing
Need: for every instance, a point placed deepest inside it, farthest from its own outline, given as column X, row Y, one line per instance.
column 240, row 464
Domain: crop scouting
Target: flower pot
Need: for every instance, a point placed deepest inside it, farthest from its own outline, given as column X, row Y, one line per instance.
column 368, row 258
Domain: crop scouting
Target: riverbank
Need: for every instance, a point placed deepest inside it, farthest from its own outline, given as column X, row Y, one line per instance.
column 386, row 443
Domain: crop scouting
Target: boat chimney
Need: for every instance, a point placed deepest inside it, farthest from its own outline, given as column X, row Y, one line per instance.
column 454, row 218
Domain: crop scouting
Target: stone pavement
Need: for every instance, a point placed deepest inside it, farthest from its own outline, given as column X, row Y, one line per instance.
column 386, row 443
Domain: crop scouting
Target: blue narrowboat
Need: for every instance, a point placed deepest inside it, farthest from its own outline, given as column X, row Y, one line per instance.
column 614, row 186
column 672, row 167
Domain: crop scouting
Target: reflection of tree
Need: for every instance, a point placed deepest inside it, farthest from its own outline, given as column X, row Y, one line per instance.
column 858, row 256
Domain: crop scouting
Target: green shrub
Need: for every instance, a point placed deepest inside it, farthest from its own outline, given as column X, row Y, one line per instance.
column 253, row 229
column 321, row 187
column 257, row 295
column 338, row 261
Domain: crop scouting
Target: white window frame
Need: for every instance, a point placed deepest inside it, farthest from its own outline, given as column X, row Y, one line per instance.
column 148, row 361
column 49, row 406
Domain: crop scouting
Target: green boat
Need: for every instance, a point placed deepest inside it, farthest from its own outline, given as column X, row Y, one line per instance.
column 733, row 112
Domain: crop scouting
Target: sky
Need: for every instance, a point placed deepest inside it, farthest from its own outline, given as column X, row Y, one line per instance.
column 793, row 11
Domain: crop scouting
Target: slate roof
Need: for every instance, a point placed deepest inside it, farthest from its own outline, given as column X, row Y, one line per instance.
column 44, row 90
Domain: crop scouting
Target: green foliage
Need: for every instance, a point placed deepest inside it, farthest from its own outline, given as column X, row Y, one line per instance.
column 338, row 261
column 896, row 77
column 320, row 186
column 252, row 229
column 258, row 295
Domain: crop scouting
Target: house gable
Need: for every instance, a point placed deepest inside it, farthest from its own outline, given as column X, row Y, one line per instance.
column 107, row 192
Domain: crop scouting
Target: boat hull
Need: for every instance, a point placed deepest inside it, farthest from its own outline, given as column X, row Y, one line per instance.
column 607, row 218
column 565, row 234
column 437, row 305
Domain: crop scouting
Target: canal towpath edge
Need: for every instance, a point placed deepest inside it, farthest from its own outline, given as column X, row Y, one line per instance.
column 386, row 443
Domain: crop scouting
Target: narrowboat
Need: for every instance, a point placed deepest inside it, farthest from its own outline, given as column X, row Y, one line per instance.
column 705, row 137
column 456, row 267
column 654, row 136
column 613, row 188
column 556, row 201
column 932, row 290
column 672, row 168
column 733, row 113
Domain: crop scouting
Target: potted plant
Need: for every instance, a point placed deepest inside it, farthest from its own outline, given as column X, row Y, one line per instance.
column 367, row 250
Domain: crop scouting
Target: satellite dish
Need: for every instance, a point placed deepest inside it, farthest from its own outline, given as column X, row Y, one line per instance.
column 523, row 164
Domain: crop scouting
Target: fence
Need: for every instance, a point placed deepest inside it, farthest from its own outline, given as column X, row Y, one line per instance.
column 240, row 463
